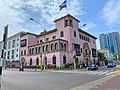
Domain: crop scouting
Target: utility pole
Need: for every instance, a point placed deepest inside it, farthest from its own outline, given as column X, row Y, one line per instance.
column 44, row 41
column 3, row 60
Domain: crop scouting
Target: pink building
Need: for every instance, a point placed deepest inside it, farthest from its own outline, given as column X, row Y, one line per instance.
column 57, row 45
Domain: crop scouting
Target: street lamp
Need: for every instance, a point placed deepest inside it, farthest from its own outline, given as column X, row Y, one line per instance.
column 44, row 39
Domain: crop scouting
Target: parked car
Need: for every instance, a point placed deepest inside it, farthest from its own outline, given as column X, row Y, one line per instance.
column 93, row 67
column 111, row 65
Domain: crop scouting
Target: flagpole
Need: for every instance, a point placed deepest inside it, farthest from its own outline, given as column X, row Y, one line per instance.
column 67, row 6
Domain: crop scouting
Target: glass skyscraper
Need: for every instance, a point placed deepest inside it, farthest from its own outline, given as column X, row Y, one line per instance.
column 110, row 41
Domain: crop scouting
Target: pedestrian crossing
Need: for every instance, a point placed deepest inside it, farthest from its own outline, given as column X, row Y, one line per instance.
column 108, row 72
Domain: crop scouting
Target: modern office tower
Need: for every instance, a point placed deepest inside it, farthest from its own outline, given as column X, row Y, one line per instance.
column 110, row 41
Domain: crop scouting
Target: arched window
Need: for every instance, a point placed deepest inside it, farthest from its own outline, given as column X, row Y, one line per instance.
column 30, row 61
column 45, row 61
column 43, row 48
column 61, row 34
column 56, row 46
column 74, row 33
column 46, row 48
column 52, row 47
column 64, row 59
column 65, row 47
column 37, row 61
column 54, row 59
column 61, row 46
column 36, row 50
column 39, row 50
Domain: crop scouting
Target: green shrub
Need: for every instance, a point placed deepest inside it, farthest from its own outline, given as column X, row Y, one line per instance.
column 57, row 67
column 66, row 65
column 61, row 67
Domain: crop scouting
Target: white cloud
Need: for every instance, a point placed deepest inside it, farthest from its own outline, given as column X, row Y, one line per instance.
column 111, row 12
column 11, row 17
column 89, row 26
column 16, row 13
column 49, row 10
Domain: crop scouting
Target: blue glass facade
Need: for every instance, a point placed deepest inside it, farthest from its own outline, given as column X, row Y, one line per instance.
column 110, row 41
column 112, row 49
column 105, row 41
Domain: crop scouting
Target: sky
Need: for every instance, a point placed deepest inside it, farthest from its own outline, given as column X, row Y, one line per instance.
column 100, row 16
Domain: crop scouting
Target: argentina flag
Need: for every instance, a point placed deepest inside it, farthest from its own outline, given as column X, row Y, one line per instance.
column 63, row 5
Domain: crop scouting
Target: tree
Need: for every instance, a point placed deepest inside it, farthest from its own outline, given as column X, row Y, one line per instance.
column 101, row 56
column 117, row 56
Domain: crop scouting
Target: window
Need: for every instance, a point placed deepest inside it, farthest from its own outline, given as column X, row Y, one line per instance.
column 36, row 50
column 21, row 53
column 52, row 47
column 13, row 43
column 37, row 61
column 37, row 41
column 12, row 54
column 54, row 37
column 64, row 59
column 39, row 50
column 47, row 39
column 17, row 39
column 61, row 34
column 16, row 55
column 74, row 33
column 17, row 50
column 65, row 47
column 32, row 50
column 30, row 61
column 84, row 37
column 46, row 47
column 43, row 48
column 56, row 46
column 81, row 50
column 61, row 46
column 40, row 41
column 80, row 36
column 45, row 61
column 24, row 52
column 66, row 23
column 71, row 23
column 93, row 41
column 93, row 52
column 54, row 59
column 77, row 48
column 17, row 44
column 8, row 56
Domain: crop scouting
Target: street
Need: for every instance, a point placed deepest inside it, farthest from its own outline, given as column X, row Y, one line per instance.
column 15, row 80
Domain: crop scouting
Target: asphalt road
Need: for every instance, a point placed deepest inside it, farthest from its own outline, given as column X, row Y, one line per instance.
column 15, row 80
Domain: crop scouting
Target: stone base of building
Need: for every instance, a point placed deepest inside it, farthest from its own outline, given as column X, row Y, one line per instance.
column 13, row 64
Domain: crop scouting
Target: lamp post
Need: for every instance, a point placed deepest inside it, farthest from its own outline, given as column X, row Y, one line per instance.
column 44, row 40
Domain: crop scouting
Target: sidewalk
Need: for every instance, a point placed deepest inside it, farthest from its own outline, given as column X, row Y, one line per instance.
column 47, row 70
column 112, row 84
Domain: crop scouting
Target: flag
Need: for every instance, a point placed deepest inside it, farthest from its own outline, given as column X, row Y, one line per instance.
column 63, row 5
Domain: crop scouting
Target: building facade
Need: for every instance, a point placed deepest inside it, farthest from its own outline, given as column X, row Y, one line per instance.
column 110, row 41
column 106, row 53
column 58, row 45
column 12, row 52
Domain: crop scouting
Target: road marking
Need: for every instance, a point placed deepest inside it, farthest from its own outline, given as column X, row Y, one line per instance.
column 92, row 84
